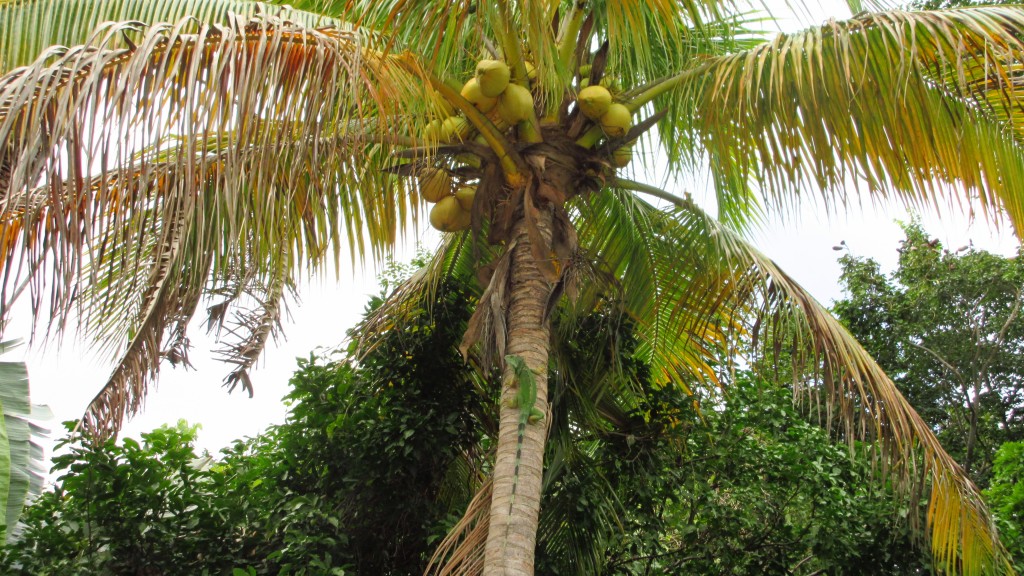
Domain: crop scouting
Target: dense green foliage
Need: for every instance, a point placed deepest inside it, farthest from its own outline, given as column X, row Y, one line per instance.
column 349, row 482
column 752, row 488
column 379, row 458
column 947, row 327
column 1006, row 497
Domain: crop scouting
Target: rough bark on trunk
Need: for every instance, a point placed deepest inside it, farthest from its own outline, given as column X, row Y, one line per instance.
column 511, row 539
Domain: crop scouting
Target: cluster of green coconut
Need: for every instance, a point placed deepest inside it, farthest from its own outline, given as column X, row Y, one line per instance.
column 505, row 104
column 490, row 91
column 595, row 102
column 451, row 211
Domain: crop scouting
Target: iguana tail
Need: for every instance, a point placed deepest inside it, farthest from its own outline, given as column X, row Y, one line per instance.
column 519, row 456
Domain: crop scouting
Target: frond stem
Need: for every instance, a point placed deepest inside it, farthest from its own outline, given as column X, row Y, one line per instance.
column 636, row 98
column 510, row 45
column 635, row 186
column 529, row 129
column 569, row 31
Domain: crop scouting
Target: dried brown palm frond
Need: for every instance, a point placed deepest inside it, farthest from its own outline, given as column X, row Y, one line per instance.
column 258, row 301
column 461, row 553
column 164, row 311
column 29, row 27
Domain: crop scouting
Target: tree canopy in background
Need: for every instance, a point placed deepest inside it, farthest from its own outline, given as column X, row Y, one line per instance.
column 948, row 327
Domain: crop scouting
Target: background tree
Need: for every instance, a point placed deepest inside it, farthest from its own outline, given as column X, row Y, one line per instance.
column 179, row 159
column 947, row 327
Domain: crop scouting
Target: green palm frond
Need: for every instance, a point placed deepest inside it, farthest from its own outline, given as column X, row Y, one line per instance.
column 654, row 38
column 193, row 158
column 915, row 106
column 762, row 302
column 666, row 281
column 570, row 536
column 442, row 32
column 452, row 36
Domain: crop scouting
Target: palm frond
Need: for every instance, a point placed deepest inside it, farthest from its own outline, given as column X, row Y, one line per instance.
column 653, row 38
column 193, row 153
column 761, row 302
column 914, row 105
column 449, row 36
column 164, row 309
column 665, row 282
column 259, row 299
column 453, row 36
column 29, row 27
column 461, row 553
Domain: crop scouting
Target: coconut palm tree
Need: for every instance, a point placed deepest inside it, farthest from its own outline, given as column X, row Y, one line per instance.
column 156, row 155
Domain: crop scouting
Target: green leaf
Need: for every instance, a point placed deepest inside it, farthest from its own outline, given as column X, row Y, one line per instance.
column 5, row 477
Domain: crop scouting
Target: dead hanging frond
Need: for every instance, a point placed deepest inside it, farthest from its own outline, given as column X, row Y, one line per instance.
column 461, row 553
column 249, row 315
column 165, row 308
column 488, row 326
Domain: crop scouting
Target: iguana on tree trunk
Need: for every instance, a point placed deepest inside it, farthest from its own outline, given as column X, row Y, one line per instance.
column 524, row 400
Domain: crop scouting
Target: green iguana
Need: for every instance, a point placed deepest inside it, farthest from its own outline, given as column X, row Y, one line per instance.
column 525, row 399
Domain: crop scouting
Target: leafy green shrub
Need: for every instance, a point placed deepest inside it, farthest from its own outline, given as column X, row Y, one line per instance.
column 1006, row 498
column 350, row 483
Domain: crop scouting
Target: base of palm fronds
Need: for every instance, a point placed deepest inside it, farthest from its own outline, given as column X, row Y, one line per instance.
column 461, row 553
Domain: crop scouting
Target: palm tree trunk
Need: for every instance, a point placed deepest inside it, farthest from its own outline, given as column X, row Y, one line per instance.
column 512, row 538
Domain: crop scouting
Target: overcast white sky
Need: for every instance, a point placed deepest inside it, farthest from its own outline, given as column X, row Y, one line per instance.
column 67, row 380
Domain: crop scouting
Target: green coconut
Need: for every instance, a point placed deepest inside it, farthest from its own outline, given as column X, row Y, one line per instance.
column 515, row 104
column 465, row 196
column 531, row 71
column 616, row 121
column 434, row 184
column 432, row 131
column 471, row 91
column 622, row 156
column 455, row 128
column 594, row 101
column 448, row 216
column 493, row 77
